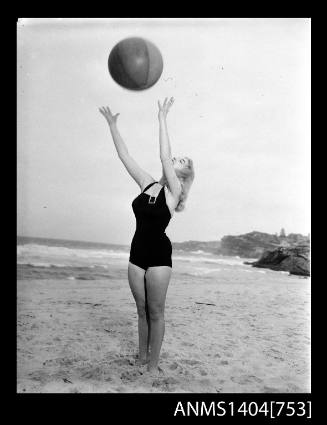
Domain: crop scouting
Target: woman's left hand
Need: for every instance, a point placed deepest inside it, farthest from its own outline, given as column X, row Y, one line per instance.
column 163, row 110
column 111, row 119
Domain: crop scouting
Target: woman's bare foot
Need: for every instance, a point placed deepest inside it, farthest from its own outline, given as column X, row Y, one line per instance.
column 141, row 362
column 143, row 359
column 155, row 371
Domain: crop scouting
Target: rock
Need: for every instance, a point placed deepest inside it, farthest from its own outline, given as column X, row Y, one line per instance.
column 292, row 259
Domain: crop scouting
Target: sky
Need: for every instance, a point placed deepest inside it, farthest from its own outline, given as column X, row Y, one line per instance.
column 242, row 90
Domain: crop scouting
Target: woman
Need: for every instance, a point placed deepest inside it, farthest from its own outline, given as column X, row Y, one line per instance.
column 150, row 264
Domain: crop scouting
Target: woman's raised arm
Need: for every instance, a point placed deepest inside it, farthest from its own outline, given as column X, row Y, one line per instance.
column 165, row 149
column 112, row 122
column 139, row 175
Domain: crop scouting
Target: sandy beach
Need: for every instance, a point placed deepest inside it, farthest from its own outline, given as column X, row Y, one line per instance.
column 81, row 336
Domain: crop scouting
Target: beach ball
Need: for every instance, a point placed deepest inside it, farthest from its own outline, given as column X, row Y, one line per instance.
column 135, row 63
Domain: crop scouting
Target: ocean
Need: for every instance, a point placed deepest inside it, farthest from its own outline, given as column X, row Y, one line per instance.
column 41, row 258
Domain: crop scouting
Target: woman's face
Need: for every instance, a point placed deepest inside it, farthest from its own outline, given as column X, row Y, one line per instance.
column 179, row 162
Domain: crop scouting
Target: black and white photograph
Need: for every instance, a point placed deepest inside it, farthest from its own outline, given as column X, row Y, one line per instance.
column 163, row 205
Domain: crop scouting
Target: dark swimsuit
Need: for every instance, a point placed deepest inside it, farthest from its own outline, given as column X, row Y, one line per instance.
column 150, row 245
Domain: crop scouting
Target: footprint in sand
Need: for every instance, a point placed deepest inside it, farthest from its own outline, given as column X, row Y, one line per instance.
column 187, row 344
column 174, row 366
column 40, row 376
column 164, row 382
column 294, row 388
column 191, row 362
column 178, row 368
column 98, row 373
column 245, row 379
column 131, row 376
column 48, row 362
column 270, row 389
column 123, row 362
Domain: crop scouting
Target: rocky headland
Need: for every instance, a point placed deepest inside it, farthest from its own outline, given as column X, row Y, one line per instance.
column 248, row 245
column 276, row 252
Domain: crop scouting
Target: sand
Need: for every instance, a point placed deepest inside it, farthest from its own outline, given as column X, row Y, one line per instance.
column 81, row 337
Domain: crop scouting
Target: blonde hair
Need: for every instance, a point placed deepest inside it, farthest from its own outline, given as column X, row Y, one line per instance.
column 186, row 177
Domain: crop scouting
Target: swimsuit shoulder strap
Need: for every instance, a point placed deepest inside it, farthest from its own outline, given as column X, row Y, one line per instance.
column 147, row 187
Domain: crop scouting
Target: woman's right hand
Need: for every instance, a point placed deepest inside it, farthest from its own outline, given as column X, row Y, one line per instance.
column 105, row 111
column 164, row 108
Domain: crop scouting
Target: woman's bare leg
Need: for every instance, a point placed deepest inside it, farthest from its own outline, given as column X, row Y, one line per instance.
column 136, row 281
column 157, row 281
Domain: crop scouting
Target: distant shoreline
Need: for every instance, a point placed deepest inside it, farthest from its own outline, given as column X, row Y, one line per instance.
column 248, row 245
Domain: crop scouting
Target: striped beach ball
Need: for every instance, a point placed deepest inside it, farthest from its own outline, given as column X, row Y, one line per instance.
column 135, row 63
